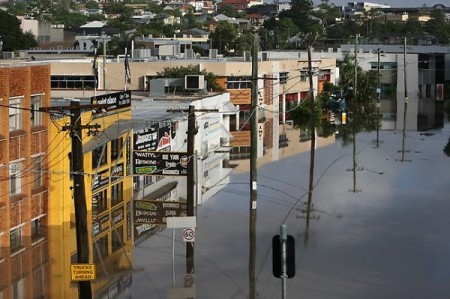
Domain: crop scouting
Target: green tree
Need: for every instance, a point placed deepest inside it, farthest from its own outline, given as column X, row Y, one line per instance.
column 223, row 37
column 92, row 4
column 12, row 36
column 303, row 16
column 438, row 26
column 229, row 11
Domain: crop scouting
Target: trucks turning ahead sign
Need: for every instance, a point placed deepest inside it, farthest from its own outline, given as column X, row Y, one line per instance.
column 82, row 272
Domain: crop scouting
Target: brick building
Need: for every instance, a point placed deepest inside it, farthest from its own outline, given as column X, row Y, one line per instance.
column 24, row 88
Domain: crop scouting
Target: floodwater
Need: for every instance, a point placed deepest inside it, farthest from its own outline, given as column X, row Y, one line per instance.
column 390, row 239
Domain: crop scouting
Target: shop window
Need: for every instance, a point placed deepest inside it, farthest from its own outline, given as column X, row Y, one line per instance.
column 99, row 157
column 100, row 249
column 117, row 238
column 116, row 194
column 116, row 148
column 99, row 202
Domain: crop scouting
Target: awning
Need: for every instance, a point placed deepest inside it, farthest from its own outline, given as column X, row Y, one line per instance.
column 154, row 195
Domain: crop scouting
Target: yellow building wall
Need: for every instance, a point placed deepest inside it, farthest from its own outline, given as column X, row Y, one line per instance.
column 62, row 232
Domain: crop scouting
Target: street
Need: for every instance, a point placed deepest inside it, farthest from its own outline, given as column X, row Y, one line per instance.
column 390, row 239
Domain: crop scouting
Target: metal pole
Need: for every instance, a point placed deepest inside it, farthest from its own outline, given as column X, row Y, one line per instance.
column 378, row 99
column 406, row 100
column 173, row 257
column 253, row 168
column 355, row 97
column 104, row 63
column 283, row 241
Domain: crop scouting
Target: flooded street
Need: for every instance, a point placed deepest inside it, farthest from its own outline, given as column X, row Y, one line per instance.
column 390, row 239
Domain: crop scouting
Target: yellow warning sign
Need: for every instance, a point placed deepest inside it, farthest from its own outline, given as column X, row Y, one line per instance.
column 82, row 272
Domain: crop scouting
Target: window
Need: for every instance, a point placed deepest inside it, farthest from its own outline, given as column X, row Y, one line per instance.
column 100, row 248
column 239, row 83
column 116, row 194
column 148, row 180
column 17, row 289
column 15, row 178
column 304, row 75
column 15, row 239
column 36, row 229
column 99, row 202
column 284, row 77
column 99, row 156
column 427, row 90
column 37, row 172
column 36, row 116
column 117, row 237
column 116, row 146
column 14, row 114
column 73, row 81
column 38, row 283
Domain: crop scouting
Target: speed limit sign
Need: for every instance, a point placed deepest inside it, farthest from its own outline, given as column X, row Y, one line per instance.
column 189, row 235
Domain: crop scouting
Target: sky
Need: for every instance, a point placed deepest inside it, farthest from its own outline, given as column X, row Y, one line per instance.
column 395, row 3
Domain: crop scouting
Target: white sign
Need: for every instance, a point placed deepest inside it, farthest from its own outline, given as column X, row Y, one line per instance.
column 181, row 222
column 189, row 234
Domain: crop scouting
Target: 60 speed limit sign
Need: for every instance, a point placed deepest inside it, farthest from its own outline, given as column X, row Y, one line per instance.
column 189, row 235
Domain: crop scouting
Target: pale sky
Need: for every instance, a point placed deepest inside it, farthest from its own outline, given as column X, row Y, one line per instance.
column 395, row 3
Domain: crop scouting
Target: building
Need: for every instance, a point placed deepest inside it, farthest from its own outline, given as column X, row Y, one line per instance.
column 24, row 187
column 164, row 131
column 281, row 86
column 108, row 188
column 426, row 74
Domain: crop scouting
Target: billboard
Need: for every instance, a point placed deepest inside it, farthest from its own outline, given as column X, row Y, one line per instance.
column 115, row 101
column 155, row 212
column 160, row 163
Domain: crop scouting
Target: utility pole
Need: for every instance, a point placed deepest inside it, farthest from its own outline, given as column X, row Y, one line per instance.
column 79, row 192
column 253, row 168
column 191, row 186
column 406, row 100
column 192, row 130
column 313, row 135
column 378, row 96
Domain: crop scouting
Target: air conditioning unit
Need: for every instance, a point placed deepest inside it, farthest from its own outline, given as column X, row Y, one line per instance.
column 213, row 53
column 194, row 82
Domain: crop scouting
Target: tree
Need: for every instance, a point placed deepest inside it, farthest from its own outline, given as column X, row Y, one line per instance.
column 12, row 36
column 438, row 26
column 303, row 16
column 229, row 11
column 223, row 37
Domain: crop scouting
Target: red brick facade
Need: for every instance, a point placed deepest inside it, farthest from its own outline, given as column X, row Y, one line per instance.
column 23, row 215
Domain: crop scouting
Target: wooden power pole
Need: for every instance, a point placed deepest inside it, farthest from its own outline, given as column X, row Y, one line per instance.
column 79, row 192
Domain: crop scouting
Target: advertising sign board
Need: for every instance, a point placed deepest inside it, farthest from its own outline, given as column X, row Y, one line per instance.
column 155, row 212
column 160, row 163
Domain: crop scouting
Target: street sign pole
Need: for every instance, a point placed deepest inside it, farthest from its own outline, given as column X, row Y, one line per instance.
column 283, row 240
